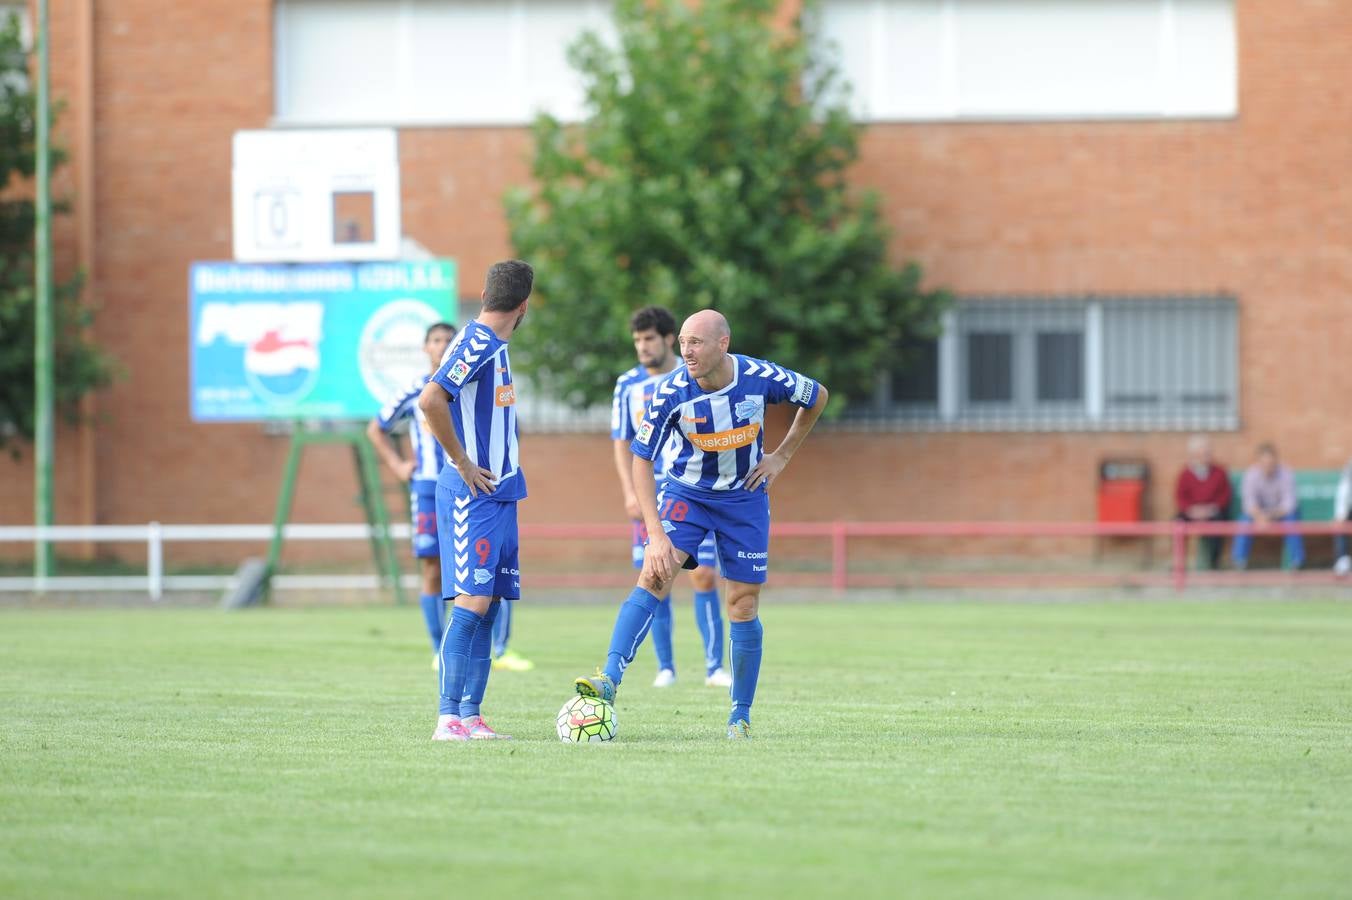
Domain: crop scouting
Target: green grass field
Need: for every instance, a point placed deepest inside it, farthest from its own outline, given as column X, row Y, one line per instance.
column 965, row 749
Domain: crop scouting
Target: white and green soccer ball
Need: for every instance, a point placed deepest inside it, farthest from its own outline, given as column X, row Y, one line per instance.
column 586, row 719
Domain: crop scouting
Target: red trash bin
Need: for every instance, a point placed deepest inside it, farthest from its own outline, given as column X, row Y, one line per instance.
column 1121, row 501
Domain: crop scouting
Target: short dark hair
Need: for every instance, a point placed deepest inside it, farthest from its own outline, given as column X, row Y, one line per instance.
column 1266, row 447
column 653, row 318
column 439, row 326
column 508, row 285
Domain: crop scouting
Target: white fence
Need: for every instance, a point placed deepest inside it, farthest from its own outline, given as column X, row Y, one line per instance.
column 155, row 535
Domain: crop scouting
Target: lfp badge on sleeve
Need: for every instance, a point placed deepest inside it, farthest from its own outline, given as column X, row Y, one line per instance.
column 323, row 341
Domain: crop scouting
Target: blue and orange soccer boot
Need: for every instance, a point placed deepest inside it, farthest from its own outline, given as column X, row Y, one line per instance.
column 597, row 686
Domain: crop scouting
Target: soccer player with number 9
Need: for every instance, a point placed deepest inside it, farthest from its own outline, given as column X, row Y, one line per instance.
column 469, row 405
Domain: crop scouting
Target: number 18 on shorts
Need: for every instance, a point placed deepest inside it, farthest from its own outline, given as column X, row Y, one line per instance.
column 739, row 522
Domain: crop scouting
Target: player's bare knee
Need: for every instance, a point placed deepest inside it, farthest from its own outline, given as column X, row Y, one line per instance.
column 743, row 602
column 654, row 585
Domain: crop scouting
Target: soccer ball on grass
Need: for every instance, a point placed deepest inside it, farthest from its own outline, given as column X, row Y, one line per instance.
column 586, row 719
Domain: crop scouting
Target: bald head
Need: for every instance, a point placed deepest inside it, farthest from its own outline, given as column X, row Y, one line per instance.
column 704, row 346
column 708, row 323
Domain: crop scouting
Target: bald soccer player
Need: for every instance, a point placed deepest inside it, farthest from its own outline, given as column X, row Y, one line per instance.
column 717, row 483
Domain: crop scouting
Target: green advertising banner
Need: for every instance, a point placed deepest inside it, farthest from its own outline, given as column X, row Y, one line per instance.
column 322, row 341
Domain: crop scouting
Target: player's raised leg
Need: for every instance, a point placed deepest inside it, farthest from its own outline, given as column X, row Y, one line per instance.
column 631, row 627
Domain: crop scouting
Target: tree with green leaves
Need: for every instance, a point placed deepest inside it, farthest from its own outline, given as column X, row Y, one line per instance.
column 712, row 171
column 79, row 366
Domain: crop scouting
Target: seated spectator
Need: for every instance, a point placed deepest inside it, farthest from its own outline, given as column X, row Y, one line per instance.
column 1202, row 494
column 1268, row 492
column 1342, row 512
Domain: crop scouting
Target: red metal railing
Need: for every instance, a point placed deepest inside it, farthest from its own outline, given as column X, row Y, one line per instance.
column 1177, row 533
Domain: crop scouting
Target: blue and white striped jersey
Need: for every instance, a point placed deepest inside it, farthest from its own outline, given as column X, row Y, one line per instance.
column 633, row 404
column 617, row 401
column 478, row 375
column 428, row 457
column 719, row 434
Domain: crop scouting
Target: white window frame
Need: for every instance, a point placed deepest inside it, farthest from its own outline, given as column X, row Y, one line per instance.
column 1175, row 95
column 524, row 98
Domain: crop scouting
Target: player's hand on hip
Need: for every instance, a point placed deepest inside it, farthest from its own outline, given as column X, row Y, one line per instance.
column 405, row 469
column 476, row 478
column 659, row 562
column 765, row 471
column 631, row 507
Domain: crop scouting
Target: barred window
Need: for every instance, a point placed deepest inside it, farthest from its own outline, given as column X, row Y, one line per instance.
column 1085, row 364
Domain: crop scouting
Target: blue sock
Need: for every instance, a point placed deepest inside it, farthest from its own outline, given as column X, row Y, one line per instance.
column 502, row 628
column 631, row 627
column 432, row 607
column 455, row 645
column 745, row 638
column 709, row 618
column 480, row 663
column 661, row 631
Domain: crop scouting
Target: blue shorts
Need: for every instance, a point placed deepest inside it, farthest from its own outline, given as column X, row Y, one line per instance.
column 424, row 507
column 739, row 520
column 479, row 546
column 705, row 556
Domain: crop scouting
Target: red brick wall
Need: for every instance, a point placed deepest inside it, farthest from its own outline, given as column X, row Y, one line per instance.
column 1258, row 207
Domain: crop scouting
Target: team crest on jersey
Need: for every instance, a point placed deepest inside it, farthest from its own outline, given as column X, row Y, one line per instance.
column 645, row 432
column 751, row 409
column 482, row 576
column 458, row 372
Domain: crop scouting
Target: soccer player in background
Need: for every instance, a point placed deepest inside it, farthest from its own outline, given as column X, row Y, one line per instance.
column 654, row 332
column 718, row 482
column 469, row 404
column 420, row 471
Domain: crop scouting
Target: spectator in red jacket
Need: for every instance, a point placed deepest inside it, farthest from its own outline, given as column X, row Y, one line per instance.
column 1202, row 494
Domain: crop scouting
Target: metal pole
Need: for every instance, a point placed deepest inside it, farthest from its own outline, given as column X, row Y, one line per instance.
column 42, row 337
